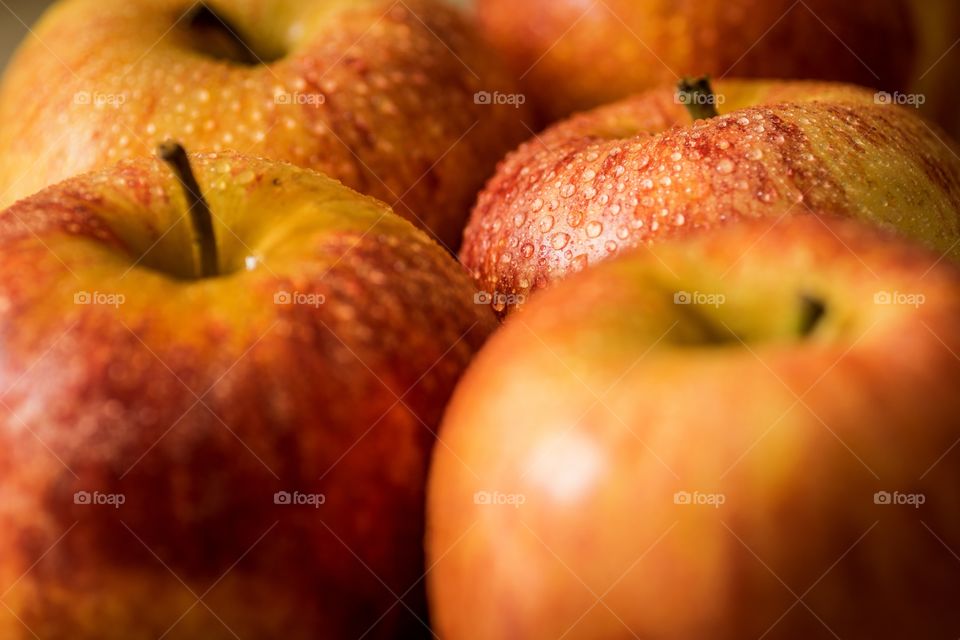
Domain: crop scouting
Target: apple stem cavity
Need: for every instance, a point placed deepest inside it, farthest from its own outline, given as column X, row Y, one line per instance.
column 697, row 96
column 814, row 309
column 204, row 238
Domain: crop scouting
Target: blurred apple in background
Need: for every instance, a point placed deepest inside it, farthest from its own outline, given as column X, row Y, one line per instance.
column 397, row 100
column 573, row 54
column 254, row 433
column 746, row 434
column 641, row 170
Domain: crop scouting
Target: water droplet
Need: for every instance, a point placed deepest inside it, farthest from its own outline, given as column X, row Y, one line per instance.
column 646, row 184
column 506, row 258
column 611, row 246
column 537, row 205
column 589, row 193
column 593, row 155
column 568, row 191
column 743, row 121
column 679, row 219
column 725, row 166
column 754, row 154
column 615, row 209
column 723, row 144
column 575, row 219
column 594, row 228
column 519, row 219
column 666, row 181
column 559, row 240
column 676, row 156
column 580, row 262
column 526, row 250
column 546, row 223
column 623, row 233
column 589, row 175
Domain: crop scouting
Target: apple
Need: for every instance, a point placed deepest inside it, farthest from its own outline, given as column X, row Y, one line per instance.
column 573, row 55
column 388, row 97
column 642, row 170
column 745, row 434
column 218, row 425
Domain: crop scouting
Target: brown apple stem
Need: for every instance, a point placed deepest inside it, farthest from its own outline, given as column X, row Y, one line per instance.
column 698, row 97
column 204, row 238
column 814, row 309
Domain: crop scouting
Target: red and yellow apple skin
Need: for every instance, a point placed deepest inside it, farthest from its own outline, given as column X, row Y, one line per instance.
column 641, row 171
column 585, row 415
column 574, row 55
column 319, row 362
column 378, row 94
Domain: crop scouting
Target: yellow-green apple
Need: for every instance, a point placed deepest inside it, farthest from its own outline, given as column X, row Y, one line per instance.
column 641, row 170
column 219, row 439
column 744, row 434
column 573, row 55
column 388, row 97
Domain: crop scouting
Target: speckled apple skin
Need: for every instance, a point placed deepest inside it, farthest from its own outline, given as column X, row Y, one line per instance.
column 640, row 171
column 604, row 398
column 575, row 55
column 199, row 399
column 398, row 119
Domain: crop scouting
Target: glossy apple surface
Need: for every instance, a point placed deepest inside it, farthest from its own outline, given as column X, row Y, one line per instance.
column 574, row 55
column 746, row 434
column 316, row 365
column 378, row 94
column 641, row 171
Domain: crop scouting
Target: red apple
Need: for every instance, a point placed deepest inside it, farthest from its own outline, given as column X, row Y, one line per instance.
column 748, row 434
column 641, row 171
column 383, row 95
column 226, row 445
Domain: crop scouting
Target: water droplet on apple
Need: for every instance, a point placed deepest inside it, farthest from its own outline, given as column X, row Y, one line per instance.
column 594, row 228
column 546, row 223
column 526, row 250
column 589, row 175
column 611, row 246
column 559, row 240
column 537, row 205
column 646, row 184
column 575, row 219
column 519, row 218
column 725, row 166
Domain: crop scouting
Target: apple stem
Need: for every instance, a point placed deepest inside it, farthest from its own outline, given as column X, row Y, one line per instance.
column 813, row 311
column 698, row 97
column 204, row 238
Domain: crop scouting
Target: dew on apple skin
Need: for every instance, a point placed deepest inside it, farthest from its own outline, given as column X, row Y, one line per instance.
column 568, row 191
column 725, row 166
column 623, row 233
column 614, row 209
column 575, row 219
column 755, row 154
column 594, row 228
column 506, row 257
column 519, row 218
column 723, row 145
column 589, row 175
column 526, row 250
column 559, row 240
column 610, row 246
column 646, row 184
column 546, row 223
column 537, row 205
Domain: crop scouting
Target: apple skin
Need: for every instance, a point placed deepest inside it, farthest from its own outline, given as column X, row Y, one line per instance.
column 640, row 171
column 197, row 400
column 574, row 55
column 104, row 81
column 604, row 398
